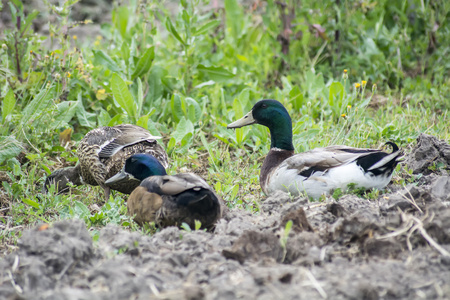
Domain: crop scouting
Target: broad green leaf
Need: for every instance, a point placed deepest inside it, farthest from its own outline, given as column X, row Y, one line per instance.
column 177, row 107
column 234, row 192
column 123, row 95
column 146, row 118
column 81, row 210
column 155, row 87
column 46, row 169
column 18, row 4
column 143, row 121
column 336, row 92
column 207, row 27
column 151, row 126
column 218, row 74
column 186, row 18
column 117, row 119
column 186, row 139
column 65, row 112
column 103, row 118
column 85, row 118
column 184, row 127
column 121, row 20
column 244, row 98
column 30, row 202
column 9, row 148
column 144, row 63
column 174, row 31
column 170, row 145
column 101, row 58
column 28, row 21
column 38, row 105
column 8, row 105
column 194, row 109
column 125, row 51
column 296, row 97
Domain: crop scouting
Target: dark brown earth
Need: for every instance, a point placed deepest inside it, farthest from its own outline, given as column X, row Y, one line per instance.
column 394, row 247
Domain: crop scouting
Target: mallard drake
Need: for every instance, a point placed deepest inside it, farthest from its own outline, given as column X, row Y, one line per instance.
column 103, row 152
column 167, row 200
column 320, row 170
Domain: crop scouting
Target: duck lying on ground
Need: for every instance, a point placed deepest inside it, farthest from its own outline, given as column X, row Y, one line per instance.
column 167, row 200
column 320, row 170
column 102, row 153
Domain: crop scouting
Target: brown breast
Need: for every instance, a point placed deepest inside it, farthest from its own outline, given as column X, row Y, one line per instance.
column 273, row 159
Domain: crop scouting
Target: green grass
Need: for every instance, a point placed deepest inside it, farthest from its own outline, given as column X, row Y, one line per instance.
column 185, row 76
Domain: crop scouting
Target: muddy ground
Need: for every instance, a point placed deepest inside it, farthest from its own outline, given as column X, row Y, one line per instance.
column 394, row 247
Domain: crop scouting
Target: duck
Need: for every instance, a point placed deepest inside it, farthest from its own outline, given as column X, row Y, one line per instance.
column 319, row 171
column 102, row 153
column 167, row 200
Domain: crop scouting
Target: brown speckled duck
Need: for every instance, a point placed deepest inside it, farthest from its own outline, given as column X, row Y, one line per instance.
column 103, row 152
column 167, row 200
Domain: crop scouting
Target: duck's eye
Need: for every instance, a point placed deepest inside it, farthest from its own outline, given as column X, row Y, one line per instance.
column 264, row 106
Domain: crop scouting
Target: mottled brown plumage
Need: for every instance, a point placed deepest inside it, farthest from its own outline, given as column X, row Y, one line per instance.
column 173, row 200
column 102, row 153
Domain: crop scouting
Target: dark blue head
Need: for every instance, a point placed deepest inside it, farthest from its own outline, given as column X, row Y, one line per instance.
column 138, row 166
column 142, row 166
column 272, row 114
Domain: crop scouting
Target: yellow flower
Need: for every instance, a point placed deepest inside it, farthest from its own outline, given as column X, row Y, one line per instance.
column 97, row 43
column 101, row 94
column 68, row 74
column 343, row 115
column 349, row 106
column 357, row 85
column 31, row 51
column 345, row 75
column 99, row 37
column 57, row 57
column 364, row 82
column 74, row 37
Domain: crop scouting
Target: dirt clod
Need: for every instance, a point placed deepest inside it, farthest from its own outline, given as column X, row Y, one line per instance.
column 299, row 221
column 430, row 154
column 253, row 245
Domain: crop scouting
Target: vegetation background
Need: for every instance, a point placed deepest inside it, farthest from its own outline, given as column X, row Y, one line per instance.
column 358, row 73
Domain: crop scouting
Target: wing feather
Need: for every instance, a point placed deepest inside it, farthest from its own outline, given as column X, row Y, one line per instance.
column 326, row 158
column 176, row 184
column 123, row 136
